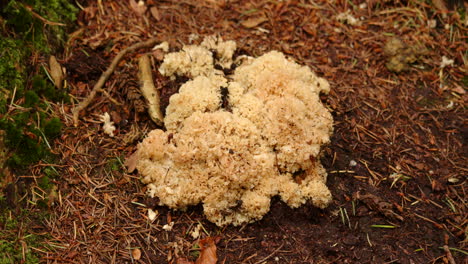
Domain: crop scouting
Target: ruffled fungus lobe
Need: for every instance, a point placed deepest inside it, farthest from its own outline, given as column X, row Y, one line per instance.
column 234, row 159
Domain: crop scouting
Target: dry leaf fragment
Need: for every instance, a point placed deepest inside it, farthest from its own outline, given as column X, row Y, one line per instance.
column 136, row 254
column 440, row 5
column 53, row 196
column 310, row 29
column 56, row 72
column 458, row 89
column 208, row 251
column 253, row 21
column 139, row 8
column 131, row 162
column 184, row 261
column 155, row 13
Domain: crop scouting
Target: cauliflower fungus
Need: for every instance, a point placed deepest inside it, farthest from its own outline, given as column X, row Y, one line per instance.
column 234, row 141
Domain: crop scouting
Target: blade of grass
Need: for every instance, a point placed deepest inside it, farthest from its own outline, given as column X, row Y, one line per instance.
column 457, row 250
column 383, row 226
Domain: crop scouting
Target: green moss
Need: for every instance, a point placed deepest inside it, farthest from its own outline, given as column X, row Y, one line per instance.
column 12, row 76
column 27, row 131
column 465, row 81
column 23, row 34
column 25, row 139
column 21, row 20
column 3, row 106
column 115, row 164
column 12, row 245
column 30, row 99
column 45, row 88
column 52, row 128
column 51, row 172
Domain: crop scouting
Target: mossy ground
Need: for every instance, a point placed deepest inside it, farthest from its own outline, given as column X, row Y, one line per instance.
column 28, row 29
column 16, row 240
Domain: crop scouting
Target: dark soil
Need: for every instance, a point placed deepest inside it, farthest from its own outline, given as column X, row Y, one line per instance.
column 396, row 164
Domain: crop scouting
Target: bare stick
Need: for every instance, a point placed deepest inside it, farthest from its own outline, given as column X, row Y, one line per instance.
column 149, row 91
column 449, row 255
column 105, row 76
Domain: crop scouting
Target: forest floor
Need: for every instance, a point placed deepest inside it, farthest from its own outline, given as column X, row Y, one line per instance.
column 396, row 163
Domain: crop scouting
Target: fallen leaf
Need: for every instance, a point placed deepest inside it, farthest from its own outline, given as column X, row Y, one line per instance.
column 310, row 29
column 439, row 4
column 136, row 254
column 56, row 72
column 253, row 21
column 458, row 89
column 208, row 251
column 53, row 196
column 139, row 8
column 184, row 261
column 155, row 13
column 131, row 162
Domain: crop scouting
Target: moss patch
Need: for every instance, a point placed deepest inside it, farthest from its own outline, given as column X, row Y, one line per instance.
column 30, row 28
column 16, row 236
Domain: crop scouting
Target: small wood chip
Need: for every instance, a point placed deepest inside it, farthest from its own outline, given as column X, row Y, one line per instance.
column 136, row 253
column 253, row 21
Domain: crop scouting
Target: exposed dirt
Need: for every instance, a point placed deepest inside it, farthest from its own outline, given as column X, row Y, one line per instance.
column 396, row 164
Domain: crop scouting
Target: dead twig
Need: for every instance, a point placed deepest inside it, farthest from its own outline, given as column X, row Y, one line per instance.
column 269, row 256
column 45, row 21
column 449, row 255
column 149, row 91
column 105, row 76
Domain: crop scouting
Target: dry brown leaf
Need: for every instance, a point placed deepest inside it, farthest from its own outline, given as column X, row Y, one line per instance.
column 208, row 251
column 439, row 4
column 155, row 13
column 253, row 21
column 310, row 29
column 136, row 254
column 458, row 89
column 131, row 162
column 184, row 261
column 139, row 8
column 56, row 72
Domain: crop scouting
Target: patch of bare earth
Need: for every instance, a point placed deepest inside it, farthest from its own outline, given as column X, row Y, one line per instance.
column 396, row 164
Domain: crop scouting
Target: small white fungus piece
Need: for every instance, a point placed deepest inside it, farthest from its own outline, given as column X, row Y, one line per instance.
column 168, row 227
column 446, row 62
column 152, row 214
column 196, row 232
column 108, row 126
column 347, row 17
column 164, row 46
